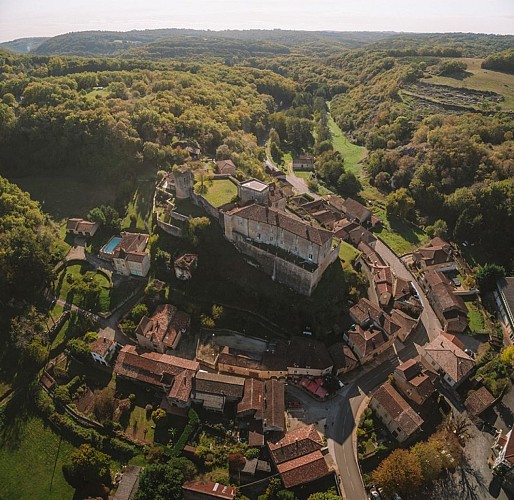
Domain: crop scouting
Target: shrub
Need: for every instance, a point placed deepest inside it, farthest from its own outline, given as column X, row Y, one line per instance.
column 193, row 421
column 62, row 395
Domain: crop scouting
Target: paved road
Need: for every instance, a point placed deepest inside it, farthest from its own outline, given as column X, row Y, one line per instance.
column 430, row 326
column 341, row 427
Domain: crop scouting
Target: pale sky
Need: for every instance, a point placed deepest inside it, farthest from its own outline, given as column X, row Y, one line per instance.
column 26, row 18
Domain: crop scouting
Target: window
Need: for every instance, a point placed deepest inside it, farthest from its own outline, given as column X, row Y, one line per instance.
column 395, row 434
column 310, row 256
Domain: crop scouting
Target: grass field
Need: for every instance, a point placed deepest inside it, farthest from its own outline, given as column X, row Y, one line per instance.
column 220, row 192
column 482, row 79
column 28, row 451
column 139, row 208
column 347, row 252
column 475, row 318
column 303, row 175
column 64, row 197
column 352, row 153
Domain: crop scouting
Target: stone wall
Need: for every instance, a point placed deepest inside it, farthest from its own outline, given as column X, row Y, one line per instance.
column 169, row 228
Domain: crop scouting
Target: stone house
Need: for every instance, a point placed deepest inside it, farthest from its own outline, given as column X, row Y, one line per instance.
column 102, row 350
column 356, row 211
column 128, row 254
column 396, row 414
column 344, row 358
column 437, row 255
column 445, row 354
column 298, row 457
column 207, row 490
column 226, row 167
column 414, row 381
column 292, row 251
column 81, row 227
column 163, row 330
column 213, row 390
column 449, row 308
column 253, row 191
column 303, row 163
column 168, row 375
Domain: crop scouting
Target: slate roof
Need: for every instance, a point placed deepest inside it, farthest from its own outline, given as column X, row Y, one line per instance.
column 356, row 209
column 215, row 383
column 397, row 408
column 296, row 444
column 274, row 217
column 303, row 470
column 452, row 360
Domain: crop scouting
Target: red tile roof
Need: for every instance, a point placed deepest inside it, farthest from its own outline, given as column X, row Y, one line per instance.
column 273, row 405
column 164, row 325
column 209, row 489
column 397, row 408
column 159, row 370
column 295, row 444
column 101, row 345
column 252, row 398
column 274, row 217
column 478, row 401
column 303, row 470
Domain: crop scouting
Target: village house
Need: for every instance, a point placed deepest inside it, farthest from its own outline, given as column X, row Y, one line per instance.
column 290, row 250
column 226, row 167
column 437, row 256
column 373, row 332
column 207, row 490
column 170, row 375
column 194, row 152
column 395, row 413
column 213, row 390
column 263, row 401
column 300, row 356
column 356, row 211
column 479, row 401
column 185, row 266
column 303, row 163
column 449, row 308
column 102, row 350
column 273, row 170
column 81, row 227
column 163, row 330
column 298, row 457
column 343, row 357
column 407, row 324
column 446, row 355
column 414, row 381
column 128, row 254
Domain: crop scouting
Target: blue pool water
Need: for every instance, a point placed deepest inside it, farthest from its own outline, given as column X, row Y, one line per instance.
column 111, row 244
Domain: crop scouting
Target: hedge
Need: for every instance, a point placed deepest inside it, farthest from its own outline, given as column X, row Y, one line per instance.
column 193, row 421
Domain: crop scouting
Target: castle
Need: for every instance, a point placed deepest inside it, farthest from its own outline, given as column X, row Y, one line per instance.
column 290, row 250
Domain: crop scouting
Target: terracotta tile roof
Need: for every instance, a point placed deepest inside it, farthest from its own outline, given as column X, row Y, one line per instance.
column 410, row 368
column 252, row 398
column 478, row 401
column 368, row 340
column 80, row 225
column 186, row 261
column 359, row 234
column 132, row 242
column 447, row 301
column 450, row 358
column 273, row 405
column 305, row 352
column 407, row 324
column 397, row 408
column 356, row 209
column 214, row 383
column 136, row 256
column 303, row 470
column 296, row 444
column 370, row 254
column 365, row 312
column 164, row 325
column 453, row 339
column 225, row 166
column 209, row 489
column 71, row 224
column 159, row 370
column 343, row 357
column 401, row 288
column 101, row 345
column 274, row 217
column 437, row 252
column 417, row 378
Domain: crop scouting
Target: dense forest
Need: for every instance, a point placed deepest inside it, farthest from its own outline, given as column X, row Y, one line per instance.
column 107, row 119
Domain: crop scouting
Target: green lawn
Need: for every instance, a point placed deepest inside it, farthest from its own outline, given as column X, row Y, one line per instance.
column 303, row 174
column 352, row 153
column 220, row 192
column 138, row 423
column 475, row 318
column 481, row 79
column 347, row 252
column 28, row 450
column 139, row 209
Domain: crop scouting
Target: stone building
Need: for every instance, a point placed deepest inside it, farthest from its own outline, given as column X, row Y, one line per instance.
column 292, row 251
column 184, row 182
column 253, row 191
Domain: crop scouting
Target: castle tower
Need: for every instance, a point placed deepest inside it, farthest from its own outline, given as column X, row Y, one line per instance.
column 184, row 182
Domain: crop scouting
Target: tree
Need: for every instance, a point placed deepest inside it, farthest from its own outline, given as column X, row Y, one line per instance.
column 348, row 184
column 161, row 482
column 507, row 355
column 29, row 334
column 325, row 495
column 106, row 216
column 159, row 415
column 87, row 466
column 104, row 404
column 429, row 457
column 399, row 203
column 79, row 349
column 194, row 227
column 488, row 275
column 216, row 312
column 203, row 178
column 138, row 311
column 399, row 473
column 438, row 228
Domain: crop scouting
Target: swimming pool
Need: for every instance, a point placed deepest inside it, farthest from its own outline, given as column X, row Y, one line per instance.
column 111, row 244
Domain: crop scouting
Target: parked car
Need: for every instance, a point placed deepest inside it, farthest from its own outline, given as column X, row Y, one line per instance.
column 456, row 281
column 470, row 353
column 374, row 492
